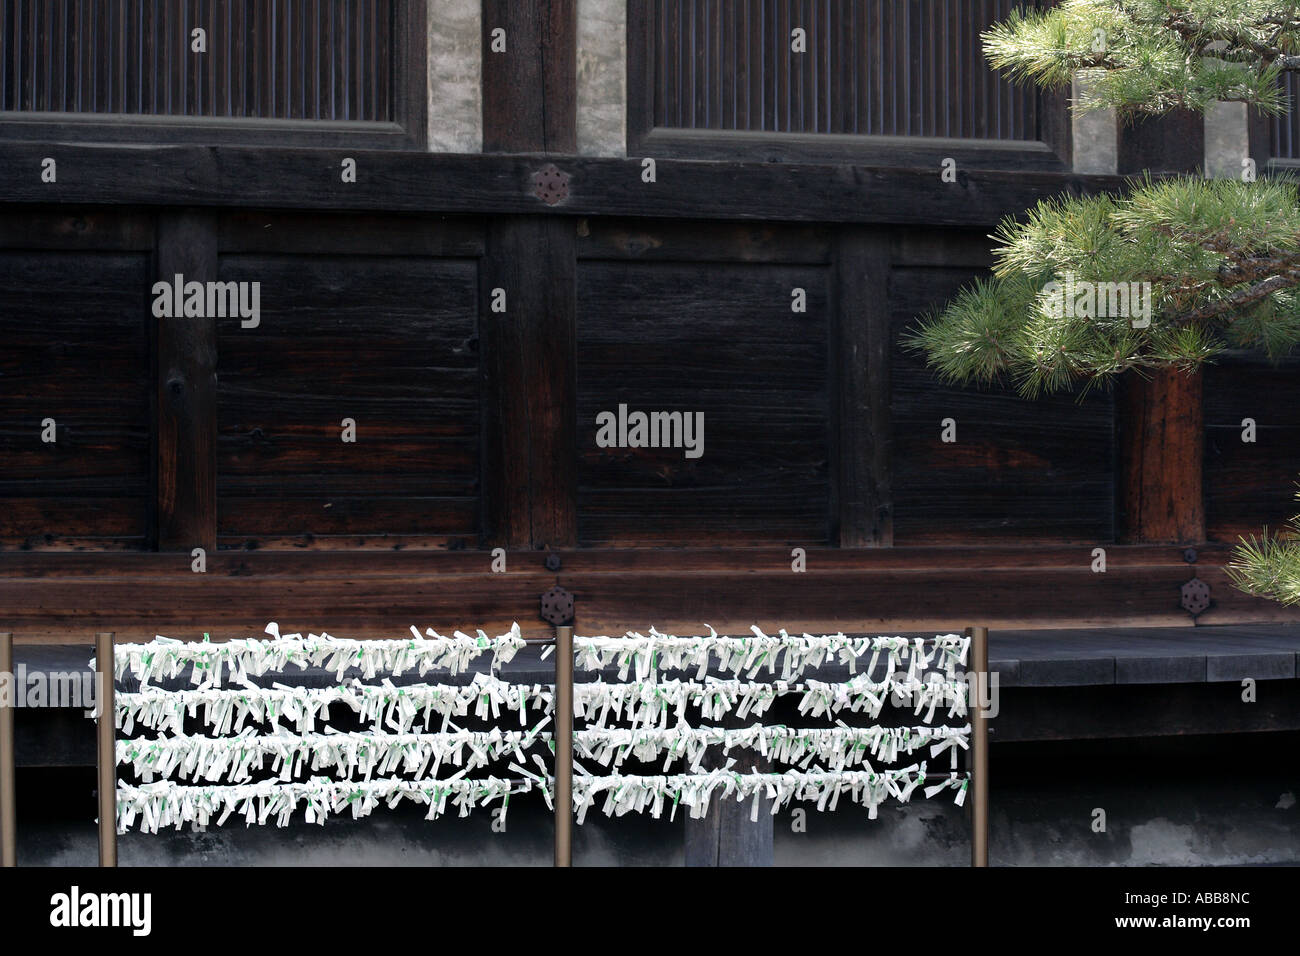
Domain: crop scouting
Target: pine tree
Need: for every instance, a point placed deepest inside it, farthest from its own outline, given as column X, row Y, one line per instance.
column 1191, row 266
column 1222, row 257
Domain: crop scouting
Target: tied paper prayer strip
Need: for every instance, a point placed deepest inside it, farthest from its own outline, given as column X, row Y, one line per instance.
column 236, row 759
column 237, row 659
column 212, row 662
column 638, row 794
column 826, row 763
column 640, row 656
column 165, row 804
column 398, row 707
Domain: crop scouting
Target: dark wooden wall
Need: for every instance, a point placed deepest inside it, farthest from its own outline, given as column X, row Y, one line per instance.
column 380, row 319
column 476, row 428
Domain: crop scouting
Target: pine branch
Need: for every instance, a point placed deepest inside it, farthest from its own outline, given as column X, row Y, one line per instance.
column 1230, row 305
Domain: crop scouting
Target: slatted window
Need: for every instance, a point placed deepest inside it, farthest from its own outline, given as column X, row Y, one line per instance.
column 869, row 68
column 873, row 67
column 336, row 61
column 1284, row 130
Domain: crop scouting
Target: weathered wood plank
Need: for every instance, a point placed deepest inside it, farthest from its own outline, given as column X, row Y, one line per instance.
column 76, row 351
column 698, row 242
column 388, row 342
column 530, row 90
column 452, row 183
column 1250, row 485
column 48, row 595
column 307, row 233
column 722, row 341
column 529, row 446
column 185, row 390
column 1162, row 451
column 1038, row 471
column 862, row 391
column 1127, row 559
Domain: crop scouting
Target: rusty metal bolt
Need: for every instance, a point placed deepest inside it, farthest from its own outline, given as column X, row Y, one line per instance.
column 551, row 184
column 1196, row 596
column 557, row 606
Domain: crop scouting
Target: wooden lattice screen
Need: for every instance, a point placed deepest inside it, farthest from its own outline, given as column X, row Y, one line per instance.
column 871, row 67
column 268, row 59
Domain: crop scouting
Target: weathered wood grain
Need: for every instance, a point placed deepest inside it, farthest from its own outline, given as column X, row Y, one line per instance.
column 721, row 340
column 444, row 183
column 1162, row 449
column 390, row 342
column 185, row 391
column 1038, row 470
column 529, row 91
column 76, row 349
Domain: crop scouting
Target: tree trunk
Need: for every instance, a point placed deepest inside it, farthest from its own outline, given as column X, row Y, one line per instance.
column 1161, row 446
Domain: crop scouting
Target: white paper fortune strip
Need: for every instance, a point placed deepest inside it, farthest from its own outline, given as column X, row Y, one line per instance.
column 241, row 758
column 640, row 656
column 620, row 794
column 833, row 748
column 164, row 804
column 347, row 755
column 648, row 703
column 211, row 662
column 384, row 705
column 644, row 703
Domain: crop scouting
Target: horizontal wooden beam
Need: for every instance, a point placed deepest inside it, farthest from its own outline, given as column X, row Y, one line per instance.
column 54, row 597
column 403, row 181
column 590, row 561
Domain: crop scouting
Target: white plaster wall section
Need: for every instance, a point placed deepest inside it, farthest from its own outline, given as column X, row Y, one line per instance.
column 1095, row 134
column 455, row 76
column 602, row 77
column 1227, row 140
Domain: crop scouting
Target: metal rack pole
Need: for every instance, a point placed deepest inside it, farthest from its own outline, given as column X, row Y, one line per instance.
column 979, row 665
column 564, row 746
column 106, row 749
column 8, row 798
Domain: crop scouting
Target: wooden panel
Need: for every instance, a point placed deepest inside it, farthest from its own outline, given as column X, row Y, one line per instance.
column 720, row 339
column 388, row 342
column 1251, row 485
column 872, row 67
column 1019, row 470
column 76, row 349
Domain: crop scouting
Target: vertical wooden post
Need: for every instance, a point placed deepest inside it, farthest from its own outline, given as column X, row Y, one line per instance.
column 1162, row 446
column 564, row 746
column 861, row 366
column 529, row 351
column 979, row 704
column 106, row 749
column 530, row 100
column 186, row 469
column 8, row 792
